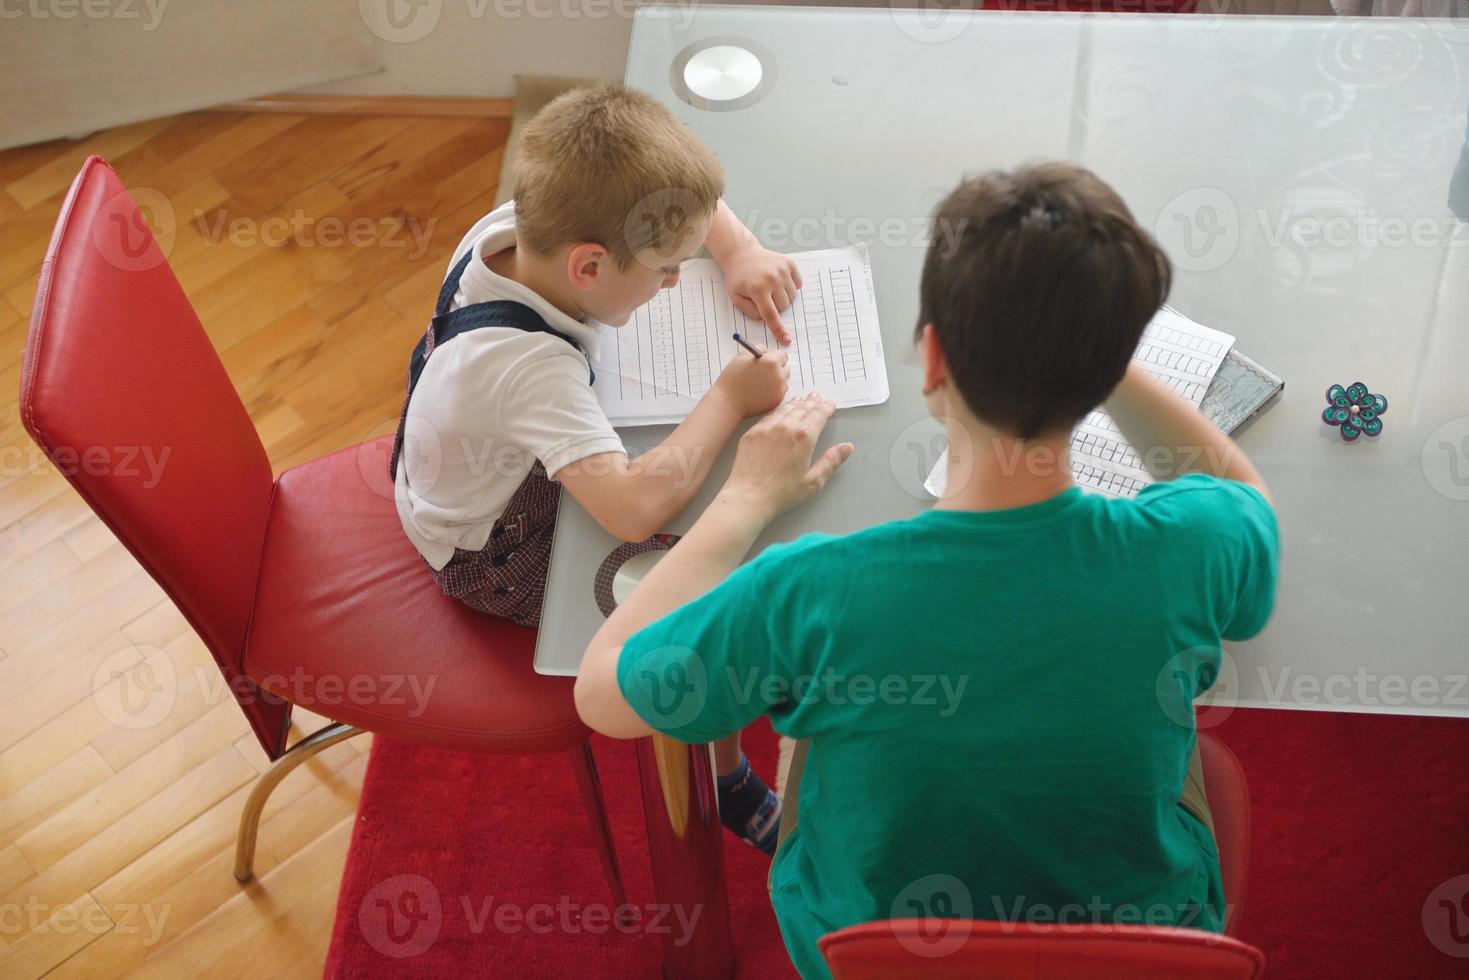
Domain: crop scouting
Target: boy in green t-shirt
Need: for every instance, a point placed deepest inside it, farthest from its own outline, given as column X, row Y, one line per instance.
column 996, row 694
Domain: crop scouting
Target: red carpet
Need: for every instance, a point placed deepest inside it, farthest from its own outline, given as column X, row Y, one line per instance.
column 1357, row 820
column 485, row 831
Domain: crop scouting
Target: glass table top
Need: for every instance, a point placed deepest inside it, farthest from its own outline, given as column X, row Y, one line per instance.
column 1309, row 178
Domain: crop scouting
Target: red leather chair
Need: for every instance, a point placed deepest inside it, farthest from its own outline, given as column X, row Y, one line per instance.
column 913, row 949
column 930, row 949
column 1229, row 803
column 304, row 588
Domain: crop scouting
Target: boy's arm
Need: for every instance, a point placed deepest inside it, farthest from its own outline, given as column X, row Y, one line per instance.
column 761, row 282
column 1172, row 437
column 772, row 473
column 633, row 499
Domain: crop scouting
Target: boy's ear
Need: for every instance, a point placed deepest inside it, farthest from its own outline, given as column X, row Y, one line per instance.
column 584, row 263
column 935, row 368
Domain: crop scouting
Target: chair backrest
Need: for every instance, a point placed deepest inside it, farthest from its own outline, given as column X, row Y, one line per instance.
column 123, row 391
column 916, row 948
column 1229, row 802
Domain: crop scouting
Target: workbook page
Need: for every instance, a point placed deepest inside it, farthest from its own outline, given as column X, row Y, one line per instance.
column 1181, row 353
column 653, row 370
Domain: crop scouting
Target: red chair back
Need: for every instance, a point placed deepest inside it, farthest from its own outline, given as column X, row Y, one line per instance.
column 123, row 391
column 1229, row 802
column 901, row 949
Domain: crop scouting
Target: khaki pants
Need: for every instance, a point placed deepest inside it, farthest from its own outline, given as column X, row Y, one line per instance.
column 1194, row 799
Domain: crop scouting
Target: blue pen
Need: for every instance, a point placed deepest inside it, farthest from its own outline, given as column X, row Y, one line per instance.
column 741, row 341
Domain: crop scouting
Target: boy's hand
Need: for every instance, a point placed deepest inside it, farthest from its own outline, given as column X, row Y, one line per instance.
column 755, row 385
column 762, row 283
column 773, row 471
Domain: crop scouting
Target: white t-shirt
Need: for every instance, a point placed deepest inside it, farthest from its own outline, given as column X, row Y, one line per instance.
column 491, row 402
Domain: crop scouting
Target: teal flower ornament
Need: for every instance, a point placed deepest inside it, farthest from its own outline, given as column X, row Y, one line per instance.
column 1354, row 410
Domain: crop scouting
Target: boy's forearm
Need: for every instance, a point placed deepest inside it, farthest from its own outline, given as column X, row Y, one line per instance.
column 1171, row 436
column 726, row 234
column 675, row 469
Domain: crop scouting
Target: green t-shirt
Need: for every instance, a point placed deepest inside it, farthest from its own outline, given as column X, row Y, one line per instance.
column 999, row 703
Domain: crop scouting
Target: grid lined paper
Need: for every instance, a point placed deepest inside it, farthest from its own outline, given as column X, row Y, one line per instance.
column 654, row 369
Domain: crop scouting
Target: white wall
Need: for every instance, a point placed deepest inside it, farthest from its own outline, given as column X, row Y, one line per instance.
column 71, row 68
column 476, row 47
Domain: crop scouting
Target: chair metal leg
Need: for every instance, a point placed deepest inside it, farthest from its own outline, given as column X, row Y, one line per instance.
column 590, row 785
column 250, row 820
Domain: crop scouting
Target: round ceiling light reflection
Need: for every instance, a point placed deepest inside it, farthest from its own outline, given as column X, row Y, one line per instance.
column 721, row 74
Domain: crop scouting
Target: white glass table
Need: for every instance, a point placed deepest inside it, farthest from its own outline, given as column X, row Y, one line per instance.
column 1298, row 170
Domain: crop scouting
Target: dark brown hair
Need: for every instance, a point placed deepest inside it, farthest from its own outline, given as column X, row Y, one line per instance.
column 1039, row 284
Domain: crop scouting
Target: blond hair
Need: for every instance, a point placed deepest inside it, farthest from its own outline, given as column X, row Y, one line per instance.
column 611, row 165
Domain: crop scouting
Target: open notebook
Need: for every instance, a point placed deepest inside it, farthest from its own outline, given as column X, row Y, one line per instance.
column 1199, row 364
column 653, row 370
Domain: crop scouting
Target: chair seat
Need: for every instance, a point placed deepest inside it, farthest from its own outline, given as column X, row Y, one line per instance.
column 349, row 623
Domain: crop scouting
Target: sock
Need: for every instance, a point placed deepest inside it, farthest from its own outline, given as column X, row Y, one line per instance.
column 749, row 808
